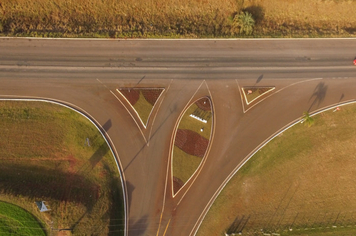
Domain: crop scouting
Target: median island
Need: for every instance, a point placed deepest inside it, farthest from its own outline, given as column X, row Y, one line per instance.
column 191, row 141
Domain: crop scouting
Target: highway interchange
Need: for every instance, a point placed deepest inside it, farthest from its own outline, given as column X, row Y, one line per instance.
column 308, row 75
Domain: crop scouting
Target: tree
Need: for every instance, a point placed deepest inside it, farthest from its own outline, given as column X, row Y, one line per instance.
column 307, row 119
column 245, row 22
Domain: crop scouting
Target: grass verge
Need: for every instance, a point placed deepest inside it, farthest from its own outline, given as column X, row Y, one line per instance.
column 45, row 156
column 301, row 183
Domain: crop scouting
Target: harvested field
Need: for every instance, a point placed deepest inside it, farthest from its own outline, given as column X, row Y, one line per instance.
column 301, row 180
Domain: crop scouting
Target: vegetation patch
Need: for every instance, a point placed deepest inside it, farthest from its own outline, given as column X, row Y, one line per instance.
column 16, row 221
column 53, row 154
column 191, row 141
column 251, row 94
column 302, row 182
column 178, row 18
column 142, row 100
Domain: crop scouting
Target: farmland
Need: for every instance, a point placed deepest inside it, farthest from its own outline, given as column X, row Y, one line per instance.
column 176, row 18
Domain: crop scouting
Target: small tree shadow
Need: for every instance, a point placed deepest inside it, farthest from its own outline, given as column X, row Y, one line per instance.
column 107, row 125
column 257, row 12
column 318, row 95
column 139, row 227
column 130, row 188
column 259, row 79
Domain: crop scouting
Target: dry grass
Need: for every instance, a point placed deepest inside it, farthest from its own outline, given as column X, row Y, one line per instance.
column 175, row 18
column 44, row 156
column 302, row 179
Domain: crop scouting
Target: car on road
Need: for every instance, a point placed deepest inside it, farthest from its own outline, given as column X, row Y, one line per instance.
column 355, row 62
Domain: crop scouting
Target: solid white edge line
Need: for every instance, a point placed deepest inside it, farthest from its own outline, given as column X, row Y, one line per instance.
column 96, row 124
column 251, row 154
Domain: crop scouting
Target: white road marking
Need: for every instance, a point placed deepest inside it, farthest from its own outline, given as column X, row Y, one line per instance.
column 130, row 114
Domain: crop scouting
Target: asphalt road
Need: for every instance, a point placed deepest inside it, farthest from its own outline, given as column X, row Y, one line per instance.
column 308, row 75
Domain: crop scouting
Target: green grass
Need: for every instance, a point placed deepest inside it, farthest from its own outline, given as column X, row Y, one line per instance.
column 195, row 125
column 44, row 156
column 17, row 221
column 143, row 108
column 302, row 179
column 256, row 92
column 184, row 165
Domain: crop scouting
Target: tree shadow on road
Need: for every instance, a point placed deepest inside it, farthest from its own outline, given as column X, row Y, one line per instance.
column 318, row 95
column 139, row 227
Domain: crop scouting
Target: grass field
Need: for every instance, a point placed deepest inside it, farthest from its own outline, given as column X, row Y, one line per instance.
column 45, row 156
column 143, row 108
column 17, row 221
column 301, row 183
column 176, row 18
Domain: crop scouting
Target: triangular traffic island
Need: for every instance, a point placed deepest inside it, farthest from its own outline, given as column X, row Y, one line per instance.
column 191, row 142
column 142, row 101
column 254, row 93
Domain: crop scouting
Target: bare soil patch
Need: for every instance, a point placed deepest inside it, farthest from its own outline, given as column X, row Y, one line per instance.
column 132, row 95
column 151, row 95
column 191, row 142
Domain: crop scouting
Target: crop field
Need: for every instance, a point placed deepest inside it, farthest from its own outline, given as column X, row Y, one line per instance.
column 301, row 183
column 53, row 154
column 176, row 18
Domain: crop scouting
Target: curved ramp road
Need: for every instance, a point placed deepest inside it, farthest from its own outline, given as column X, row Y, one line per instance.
column 308, row 74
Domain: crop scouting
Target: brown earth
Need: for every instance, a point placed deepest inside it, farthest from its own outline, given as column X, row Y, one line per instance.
column 177, row 184
column 191, row 142
column 204, row 104
column 151, row 95
column 131, row 95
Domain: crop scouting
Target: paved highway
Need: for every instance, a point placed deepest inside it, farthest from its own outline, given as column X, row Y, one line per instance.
column 308, row 74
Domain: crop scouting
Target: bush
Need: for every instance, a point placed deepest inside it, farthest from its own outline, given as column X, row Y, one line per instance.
column 245, row 22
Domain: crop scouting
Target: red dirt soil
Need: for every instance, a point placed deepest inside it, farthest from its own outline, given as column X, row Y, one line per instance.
column 191, row 142
column 151, row 95
column 177, row 184
column 132, row 95
column 204, row 104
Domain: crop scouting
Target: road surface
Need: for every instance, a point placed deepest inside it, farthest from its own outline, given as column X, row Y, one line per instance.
column 308, row 75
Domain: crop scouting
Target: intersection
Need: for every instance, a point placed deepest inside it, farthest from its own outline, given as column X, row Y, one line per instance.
column 308, row 75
